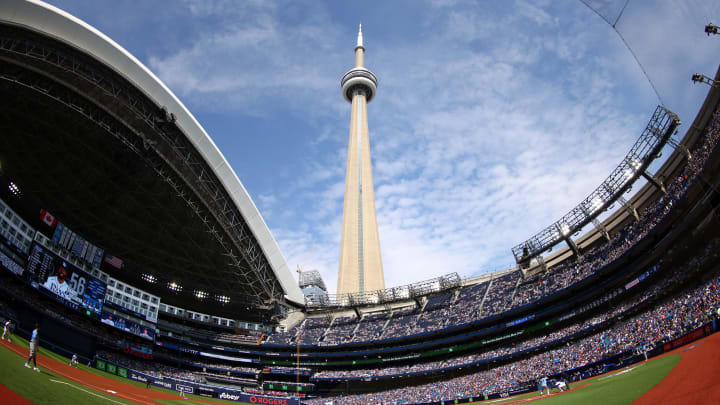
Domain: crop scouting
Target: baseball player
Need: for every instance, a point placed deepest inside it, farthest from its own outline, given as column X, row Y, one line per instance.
column 544, row 384
column 6, row 330
column 33, row 349
column 57, row 285
column 74, row 360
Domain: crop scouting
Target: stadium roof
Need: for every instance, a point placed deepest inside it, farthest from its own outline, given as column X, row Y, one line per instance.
column 92, row 135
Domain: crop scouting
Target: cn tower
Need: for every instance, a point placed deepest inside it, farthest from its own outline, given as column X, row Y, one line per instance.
column 360, row 268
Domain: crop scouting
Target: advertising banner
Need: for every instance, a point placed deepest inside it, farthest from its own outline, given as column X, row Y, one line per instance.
column 207, row 390
column 689, row 337
column 136, row 350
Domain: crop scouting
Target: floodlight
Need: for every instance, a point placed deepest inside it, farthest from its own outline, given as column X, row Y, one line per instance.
column 14, row 189
column 712, row 29
column 701, row 78
column 628, row 174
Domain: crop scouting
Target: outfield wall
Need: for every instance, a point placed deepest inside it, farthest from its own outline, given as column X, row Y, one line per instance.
column 188, row 387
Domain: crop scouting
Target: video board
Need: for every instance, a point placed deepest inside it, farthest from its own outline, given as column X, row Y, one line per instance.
column 59, row 279
column 122, row 322
column 66, row 238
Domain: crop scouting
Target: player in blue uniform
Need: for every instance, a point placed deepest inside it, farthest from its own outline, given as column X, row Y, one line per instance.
column 544, row 384
column 34, row 339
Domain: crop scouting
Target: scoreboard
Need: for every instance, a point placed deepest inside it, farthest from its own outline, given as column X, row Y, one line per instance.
column 66, row 238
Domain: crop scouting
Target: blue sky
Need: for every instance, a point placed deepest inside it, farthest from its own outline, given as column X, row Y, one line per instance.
column 492, row 119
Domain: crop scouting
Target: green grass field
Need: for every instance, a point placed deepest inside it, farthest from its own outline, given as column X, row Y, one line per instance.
column 40, row 388
column 616, row 388
column 45, row 387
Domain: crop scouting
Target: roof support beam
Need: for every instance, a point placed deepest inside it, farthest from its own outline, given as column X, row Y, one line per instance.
column 654, row 181
column 629, row 207
column 566, row 237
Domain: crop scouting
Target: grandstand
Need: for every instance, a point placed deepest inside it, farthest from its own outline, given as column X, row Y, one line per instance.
column 184, row 286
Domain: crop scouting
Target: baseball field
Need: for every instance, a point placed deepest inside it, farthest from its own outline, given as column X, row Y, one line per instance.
column 687, row 375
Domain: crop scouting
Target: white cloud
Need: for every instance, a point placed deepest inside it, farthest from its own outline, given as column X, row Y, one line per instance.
column 489, row 124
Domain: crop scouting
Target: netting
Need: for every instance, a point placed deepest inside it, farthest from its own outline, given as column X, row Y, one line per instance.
column 663, row 34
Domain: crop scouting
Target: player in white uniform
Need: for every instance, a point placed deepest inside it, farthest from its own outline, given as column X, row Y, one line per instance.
column 59, row 286
column 74, row 360
column 562, row 386
column 6, row 330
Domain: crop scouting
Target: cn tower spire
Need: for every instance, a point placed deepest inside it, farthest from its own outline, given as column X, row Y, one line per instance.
column 360, row 269
column 359, row 40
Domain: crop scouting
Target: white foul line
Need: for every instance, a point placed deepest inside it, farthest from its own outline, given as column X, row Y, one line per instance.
column 89, row 392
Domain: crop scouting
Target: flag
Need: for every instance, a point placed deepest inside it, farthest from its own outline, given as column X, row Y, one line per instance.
column 48, row 218
column 113, row 261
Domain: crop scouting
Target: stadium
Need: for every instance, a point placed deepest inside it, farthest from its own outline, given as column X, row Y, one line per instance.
column 130, row 243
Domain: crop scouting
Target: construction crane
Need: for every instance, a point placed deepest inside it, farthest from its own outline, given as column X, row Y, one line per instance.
column 301, row 268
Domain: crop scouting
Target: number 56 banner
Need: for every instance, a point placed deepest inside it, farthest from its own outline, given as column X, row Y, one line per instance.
column 51, row 274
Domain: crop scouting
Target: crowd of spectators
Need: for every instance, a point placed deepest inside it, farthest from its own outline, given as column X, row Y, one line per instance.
column 519, row 344
column 341, row 330
column 227, row 379
column 225, row 367
column 182, row 332
column 312, row 329
column 371, row 327
column 660, row 324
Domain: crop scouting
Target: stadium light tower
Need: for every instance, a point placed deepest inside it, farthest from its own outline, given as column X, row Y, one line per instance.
column 701, row 78
column 360, row 268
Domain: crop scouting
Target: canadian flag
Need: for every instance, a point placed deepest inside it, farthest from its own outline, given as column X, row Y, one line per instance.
column 48, row 218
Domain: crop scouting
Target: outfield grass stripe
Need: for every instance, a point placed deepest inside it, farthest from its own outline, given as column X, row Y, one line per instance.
column 12, row 397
